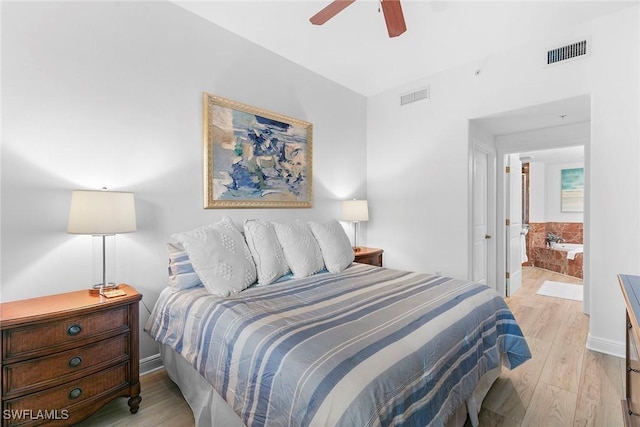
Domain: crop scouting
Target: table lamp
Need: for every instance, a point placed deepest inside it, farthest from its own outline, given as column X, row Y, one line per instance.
column 102, row 213
column 355, row 211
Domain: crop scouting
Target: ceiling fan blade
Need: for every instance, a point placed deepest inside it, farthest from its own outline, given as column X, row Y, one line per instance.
column 394, row 18
column 330, row 11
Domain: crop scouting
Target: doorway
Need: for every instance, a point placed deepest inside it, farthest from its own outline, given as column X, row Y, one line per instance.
column 552, row 191
column 550, row 218
column 560, row 124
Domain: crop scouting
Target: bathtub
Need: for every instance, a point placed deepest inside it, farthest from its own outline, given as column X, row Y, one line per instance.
column 571, row 248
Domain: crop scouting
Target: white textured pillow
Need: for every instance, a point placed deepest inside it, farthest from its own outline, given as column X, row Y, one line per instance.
column 220, row 257
column 266, row 250
column 334, row 244
column 300, row 248
column 181, row 273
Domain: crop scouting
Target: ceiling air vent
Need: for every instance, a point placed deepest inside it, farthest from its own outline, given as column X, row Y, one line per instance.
column 570, row 51
column 415, row 96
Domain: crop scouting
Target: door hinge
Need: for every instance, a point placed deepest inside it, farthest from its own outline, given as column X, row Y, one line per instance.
column 507, row 222
column 507, row 275
column 507, row 169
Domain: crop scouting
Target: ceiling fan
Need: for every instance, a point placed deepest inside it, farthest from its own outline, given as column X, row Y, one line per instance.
column 391, row 9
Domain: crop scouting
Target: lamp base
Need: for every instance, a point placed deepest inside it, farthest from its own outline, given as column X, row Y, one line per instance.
column 357, row 249
column 98, row 288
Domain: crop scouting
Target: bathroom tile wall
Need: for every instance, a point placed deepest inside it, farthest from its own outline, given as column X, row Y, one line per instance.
column 541, row 256
column 554, row 260
column 570, row 232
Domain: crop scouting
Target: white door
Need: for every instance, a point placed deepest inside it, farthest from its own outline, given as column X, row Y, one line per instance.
column 513, row 203
column 480, row 217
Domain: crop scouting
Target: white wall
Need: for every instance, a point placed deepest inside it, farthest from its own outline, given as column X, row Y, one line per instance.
column 110, row 94
column 545, row 193
column 418, row 158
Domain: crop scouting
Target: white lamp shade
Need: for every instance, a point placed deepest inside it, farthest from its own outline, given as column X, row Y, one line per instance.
column 355, row 210
column 101, row 212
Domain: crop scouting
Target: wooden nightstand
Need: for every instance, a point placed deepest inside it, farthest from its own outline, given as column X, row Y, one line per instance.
column 372, row 256
column 65, row 356
column 630, row 286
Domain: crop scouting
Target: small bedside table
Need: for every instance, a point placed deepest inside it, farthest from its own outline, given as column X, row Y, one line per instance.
column 371, row 256
column 67, row 355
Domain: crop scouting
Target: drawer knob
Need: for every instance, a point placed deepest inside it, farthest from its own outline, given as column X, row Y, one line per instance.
column 74, row 330
column 74, row 362
column 75, row 393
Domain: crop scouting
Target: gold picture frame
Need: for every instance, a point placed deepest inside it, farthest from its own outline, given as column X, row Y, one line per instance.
column 254, row 158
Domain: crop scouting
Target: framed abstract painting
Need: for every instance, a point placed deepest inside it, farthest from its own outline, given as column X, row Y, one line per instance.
column 254, row 158
column 572, row 190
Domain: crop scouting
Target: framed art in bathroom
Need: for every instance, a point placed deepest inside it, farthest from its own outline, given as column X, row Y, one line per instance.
column 572, row 190
column 254, row 158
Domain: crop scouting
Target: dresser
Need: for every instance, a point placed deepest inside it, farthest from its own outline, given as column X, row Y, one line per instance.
column 371, row 256
column 65, row 356
column 631, row 404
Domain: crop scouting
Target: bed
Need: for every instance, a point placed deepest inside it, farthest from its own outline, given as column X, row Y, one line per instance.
column 365, row 346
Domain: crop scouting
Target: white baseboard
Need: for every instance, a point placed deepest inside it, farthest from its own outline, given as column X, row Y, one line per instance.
column 602, row 345
column 150, row 364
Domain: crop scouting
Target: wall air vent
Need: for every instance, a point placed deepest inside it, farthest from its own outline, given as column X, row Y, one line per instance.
column 570, row 51
column 415, row 96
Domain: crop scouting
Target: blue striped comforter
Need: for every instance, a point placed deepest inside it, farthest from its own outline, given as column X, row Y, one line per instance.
column 368, row 346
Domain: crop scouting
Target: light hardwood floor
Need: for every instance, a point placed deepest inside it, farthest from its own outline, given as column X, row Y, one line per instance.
column 564, row 384
column 162, row 406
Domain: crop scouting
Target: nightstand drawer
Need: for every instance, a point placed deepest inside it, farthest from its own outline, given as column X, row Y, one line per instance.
column 633, row 376
column 634, row 348
column 71, row 394
column 36, row 374
column 371, row 260
column 31, row 339
column 65, row 356
column 633, row 386
column 371, row 256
